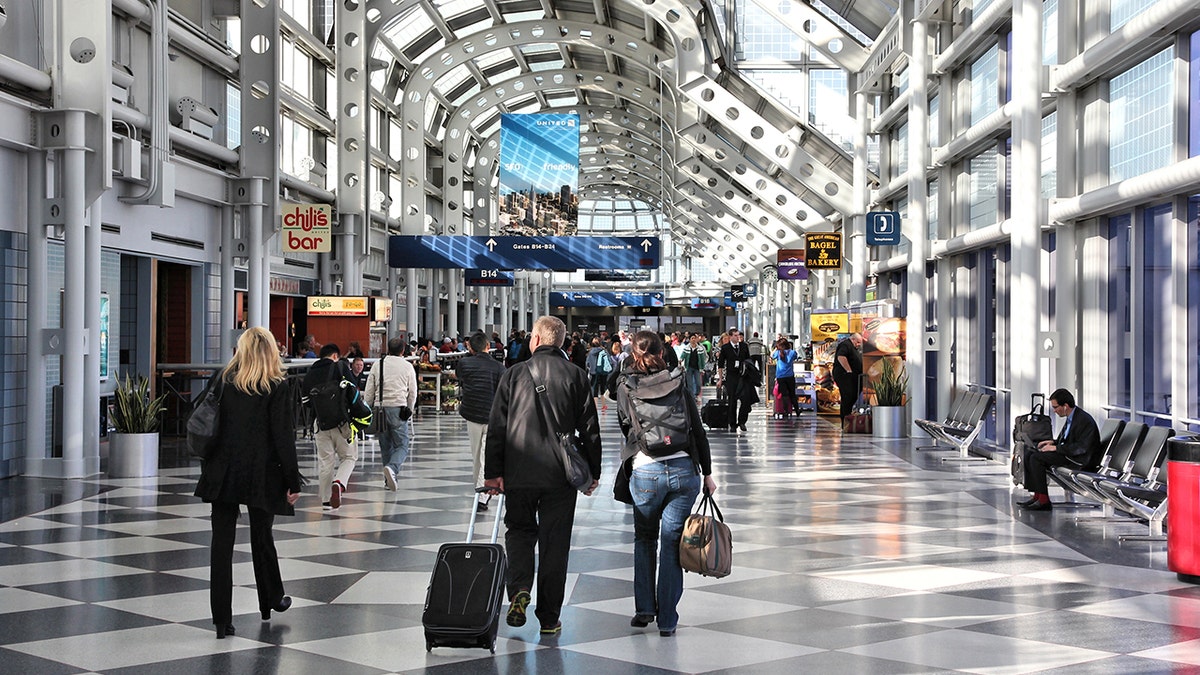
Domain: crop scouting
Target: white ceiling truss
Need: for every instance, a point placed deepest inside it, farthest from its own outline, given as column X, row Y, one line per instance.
column 735, row 174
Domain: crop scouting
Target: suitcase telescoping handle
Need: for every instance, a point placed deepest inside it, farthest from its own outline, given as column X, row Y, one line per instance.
column 475, row 514
column 1037, row 403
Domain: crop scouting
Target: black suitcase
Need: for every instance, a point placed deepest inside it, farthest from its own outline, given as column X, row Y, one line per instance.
column 715, row 413
column 466, row 591
column 1018, row 463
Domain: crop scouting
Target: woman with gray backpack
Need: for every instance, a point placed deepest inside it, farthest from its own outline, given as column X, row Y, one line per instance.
column 599, row 365
column 664, row 456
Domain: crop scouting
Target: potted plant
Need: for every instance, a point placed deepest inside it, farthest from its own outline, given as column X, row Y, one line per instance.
column 891, row 396
column 133, row 445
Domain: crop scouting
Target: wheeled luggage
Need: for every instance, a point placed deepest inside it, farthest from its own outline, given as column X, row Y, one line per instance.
column 466, row 590
column 1027, row 431
column 781, row 404
column 715, row 413
column 1018, row 463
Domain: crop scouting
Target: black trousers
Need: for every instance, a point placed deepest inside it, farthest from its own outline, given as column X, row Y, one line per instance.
column 1038, row 463
column 739, row 407
column 262, row 551
column 787, row 391
column 541, row 518
column 848, row 389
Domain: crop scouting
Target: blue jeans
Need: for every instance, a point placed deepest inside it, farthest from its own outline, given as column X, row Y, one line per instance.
column 393, row 445
column 693, row 378
column 663, row 494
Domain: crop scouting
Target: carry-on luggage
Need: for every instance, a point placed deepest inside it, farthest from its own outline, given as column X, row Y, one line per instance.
column 1027, row 431
column 1035, row 426
column 1018, row 463
column 715, row 412
column 859, row 419
column 781, row 404
column 466, row 590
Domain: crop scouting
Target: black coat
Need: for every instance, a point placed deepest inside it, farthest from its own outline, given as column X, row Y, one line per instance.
column 520, row 440
column 1083, row 438
column 254, row 459
column 479, row 375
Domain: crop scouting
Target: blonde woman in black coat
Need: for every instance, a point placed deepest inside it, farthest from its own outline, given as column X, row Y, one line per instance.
column 253, row 463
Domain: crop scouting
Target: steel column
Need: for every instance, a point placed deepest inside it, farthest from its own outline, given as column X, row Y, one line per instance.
column 72, row 190
column 227, row 317
column 917, row 226
column 35, row 313
column 1028, row 212
column 259, row 267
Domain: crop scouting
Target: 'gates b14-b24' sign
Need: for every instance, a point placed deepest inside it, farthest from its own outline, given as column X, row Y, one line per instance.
column 823, row 250
column 307, row 228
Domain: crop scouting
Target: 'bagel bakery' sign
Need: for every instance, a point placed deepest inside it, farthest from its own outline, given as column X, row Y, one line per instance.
column 823, row 250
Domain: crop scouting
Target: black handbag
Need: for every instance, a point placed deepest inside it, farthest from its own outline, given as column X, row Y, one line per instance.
column 1035, row 426
column 204, row 424
column 568, row 448
column 379, row 422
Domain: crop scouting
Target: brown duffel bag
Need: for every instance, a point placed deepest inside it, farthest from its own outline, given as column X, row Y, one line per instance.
column 706, row 546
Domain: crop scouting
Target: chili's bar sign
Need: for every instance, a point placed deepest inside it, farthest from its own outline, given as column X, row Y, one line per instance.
column 336, row 305
column 823, row 250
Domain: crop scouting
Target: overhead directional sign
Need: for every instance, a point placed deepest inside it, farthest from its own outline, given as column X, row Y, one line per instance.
column 607, row 299
column 489, row 277
column 737, row 293
column 523, row 253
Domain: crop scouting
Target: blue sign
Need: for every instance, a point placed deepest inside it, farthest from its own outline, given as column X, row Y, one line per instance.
column 883, row 228
column 523, row 253
column 606, row 299
column 489, row 277
column 750, row 290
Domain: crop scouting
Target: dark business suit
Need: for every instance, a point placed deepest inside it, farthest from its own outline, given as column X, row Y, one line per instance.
column 1071, row 449
column 741, row 378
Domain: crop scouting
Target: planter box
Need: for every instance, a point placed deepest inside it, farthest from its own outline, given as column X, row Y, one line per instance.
column 132, row 455
column 890, row 421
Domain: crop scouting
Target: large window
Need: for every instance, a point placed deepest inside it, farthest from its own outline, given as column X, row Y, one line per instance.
column 1050, row 155
column 1158, row 301
column 1121, row 11
column 1193, row 310
column 1117, row 309
column 982, row 198
column 1139, row 118
column 984, row 74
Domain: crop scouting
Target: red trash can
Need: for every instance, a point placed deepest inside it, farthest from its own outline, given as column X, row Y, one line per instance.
column 1183, row 507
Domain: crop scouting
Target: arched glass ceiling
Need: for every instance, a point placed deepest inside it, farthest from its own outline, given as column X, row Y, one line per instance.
column 580, row 75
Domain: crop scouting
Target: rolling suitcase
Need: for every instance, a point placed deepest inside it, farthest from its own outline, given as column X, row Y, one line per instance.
column 1018, row 463
column 780, row 404
column 466, row 590
column 715, row 413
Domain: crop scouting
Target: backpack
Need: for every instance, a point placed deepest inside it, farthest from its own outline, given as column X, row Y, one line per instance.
column 331, row 402
column 603, row 362
column 657, row 411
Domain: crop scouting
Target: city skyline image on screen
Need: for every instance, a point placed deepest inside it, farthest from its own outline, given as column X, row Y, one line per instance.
column 539, row 175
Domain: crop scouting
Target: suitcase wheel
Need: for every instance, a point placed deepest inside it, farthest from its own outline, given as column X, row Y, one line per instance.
column 428, row 646
column 492, row 646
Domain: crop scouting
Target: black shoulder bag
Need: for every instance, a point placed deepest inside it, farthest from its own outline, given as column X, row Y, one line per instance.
column 204, row 424
column 379, row 421
column 567, row 449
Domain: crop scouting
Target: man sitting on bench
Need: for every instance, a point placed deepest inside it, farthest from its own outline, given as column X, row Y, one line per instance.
column 1077, row 440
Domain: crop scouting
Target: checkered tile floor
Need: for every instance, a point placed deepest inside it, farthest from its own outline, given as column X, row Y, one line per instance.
column 851, row 556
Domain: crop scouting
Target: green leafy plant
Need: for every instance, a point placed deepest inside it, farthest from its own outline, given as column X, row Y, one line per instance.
column 892, row 388
column 134, row 412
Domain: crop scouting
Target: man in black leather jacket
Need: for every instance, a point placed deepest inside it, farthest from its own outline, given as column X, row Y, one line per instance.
column 520, row 460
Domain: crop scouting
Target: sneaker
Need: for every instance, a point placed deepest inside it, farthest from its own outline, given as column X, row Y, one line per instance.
column 326, row 506
column 551, row 630
column 389, row 478
column 516, row 610
column 335, row 495
column 482, row 507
